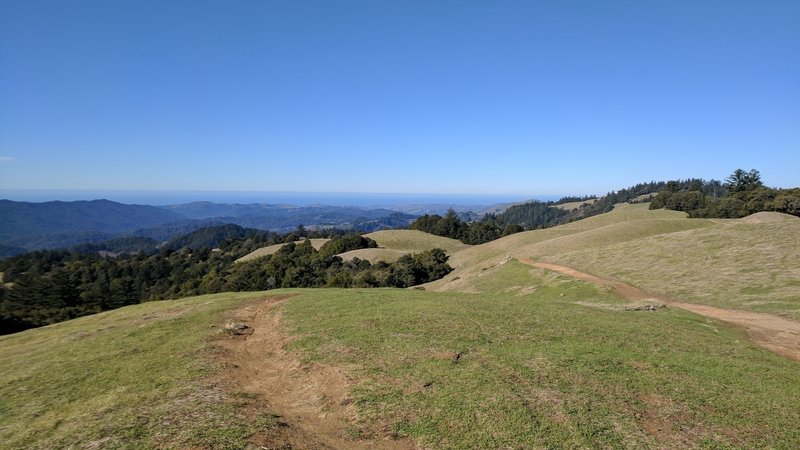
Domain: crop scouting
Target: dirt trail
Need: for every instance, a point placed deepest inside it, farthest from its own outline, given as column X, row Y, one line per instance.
column 311, row 399
column 772, row 332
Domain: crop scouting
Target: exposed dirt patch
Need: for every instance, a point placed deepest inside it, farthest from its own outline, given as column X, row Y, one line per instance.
column 772, row 332
column 310, row 402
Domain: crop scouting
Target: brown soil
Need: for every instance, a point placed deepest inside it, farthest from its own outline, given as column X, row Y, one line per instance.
column 774, row 333
column 310, row 401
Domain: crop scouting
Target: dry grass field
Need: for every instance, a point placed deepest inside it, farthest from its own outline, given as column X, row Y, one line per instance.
column 374, row 255
column 396, row 243
column 751, row 263
column 392, row 245
column 572, row 205
column 268, row 250
column 415, row 241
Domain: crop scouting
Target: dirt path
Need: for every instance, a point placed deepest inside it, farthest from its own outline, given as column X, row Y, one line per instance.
column 772, row 332
column 311, row 399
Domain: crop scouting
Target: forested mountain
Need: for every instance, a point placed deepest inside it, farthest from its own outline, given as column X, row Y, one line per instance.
column 24, row 220
column 36, row 226
column 267, row 216
column 212, row 237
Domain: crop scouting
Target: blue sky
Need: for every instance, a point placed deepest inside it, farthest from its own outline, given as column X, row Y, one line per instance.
column 501, row 97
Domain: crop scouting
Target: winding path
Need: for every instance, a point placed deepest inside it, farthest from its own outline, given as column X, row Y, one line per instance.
column 312, row 399
column 772, row 332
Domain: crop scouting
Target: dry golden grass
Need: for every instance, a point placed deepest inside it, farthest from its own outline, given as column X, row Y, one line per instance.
column 393, row 244
column 396, row 243
column 572, row 205
column 733, row 264
column 374, row 255
column 415, row 241
column 625, row 222
column 268, row 250
column 751, row 263
column 766, row 217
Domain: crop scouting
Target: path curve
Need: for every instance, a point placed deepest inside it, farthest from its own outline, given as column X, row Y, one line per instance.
column 312, row 398
column 772, row 332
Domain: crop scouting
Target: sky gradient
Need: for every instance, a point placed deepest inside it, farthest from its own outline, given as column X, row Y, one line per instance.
column 504, row 97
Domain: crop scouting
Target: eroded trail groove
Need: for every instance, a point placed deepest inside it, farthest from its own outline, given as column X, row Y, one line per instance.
column 311, row 399
column 772, row 332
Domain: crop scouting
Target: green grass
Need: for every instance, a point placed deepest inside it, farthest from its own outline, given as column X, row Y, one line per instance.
column 539, row 370
column 522, row 364
column 138, row 377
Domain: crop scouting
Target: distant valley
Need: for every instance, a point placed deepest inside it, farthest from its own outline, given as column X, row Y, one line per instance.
column 35, row 226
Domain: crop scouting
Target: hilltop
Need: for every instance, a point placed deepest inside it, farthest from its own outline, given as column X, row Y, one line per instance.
column 395, row 243
column 497, row 353
column 749, row 261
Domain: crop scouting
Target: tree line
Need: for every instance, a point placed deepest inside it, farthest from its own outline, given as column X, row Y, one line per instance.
column 527, row 216
column 743, row 193
column 45, row 287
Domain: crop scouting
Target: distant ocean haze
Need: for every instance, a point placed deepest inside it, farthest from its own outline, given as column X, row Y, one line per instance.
column 160, row 198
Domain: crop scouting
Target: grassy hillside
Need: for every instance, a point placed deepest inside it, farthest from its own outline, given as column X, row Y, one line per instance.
column 569, row 206
column 530, row 362
column 414, row 241
column 141, row 376
column 506, row 356
column 270, row 249
column 751, row 263
column 374, row 255
column 396, row 243
column 472, row 261
column 533, row 368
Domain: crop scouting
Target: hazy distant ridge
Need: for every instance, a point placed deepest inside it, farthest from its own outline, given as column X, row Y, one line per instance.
column 48, row 225
column 23, row 219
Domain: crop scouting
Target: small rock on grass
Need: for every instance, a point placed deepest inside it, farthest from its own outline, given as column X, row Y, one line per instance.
column 237, row 328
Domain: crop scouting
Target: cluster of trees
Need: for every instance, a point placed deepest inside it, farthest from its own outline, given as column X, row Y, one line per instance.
column 533, row 215
column 575, row 198
column 341, row 244
column 45, row 287
column 300, row 265
column 743, row 193
column 527, row 216
column 606, row 203
column 476, row 232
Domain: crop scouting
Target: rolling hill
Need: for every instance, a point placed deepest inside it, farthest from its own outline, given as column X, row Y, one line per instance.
column 270, row 249
column 498, row 354
column 392, row 245
column 395, row 243
column 751, row 263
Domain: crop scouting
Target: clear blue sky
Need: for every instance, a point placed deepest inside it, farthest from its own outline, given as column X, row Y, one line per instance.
column 494, row 97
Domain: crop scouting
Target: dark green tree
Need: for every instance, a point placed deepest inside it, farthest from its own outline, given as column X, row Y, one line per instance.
column 740, row 180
